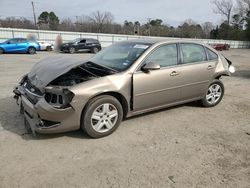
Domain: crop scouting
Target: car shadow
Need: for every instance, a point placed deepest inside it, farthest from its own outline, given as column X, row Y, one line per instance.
column 242, row 74
column 11, row 120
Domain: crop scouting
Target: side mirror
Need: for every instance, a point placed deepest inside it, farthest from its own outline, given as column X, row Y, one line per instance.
column 150, row 66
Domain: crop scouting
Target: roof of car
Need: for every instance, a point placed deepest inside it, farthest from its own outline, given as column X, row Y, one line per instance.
column 18, row 38
column 162, row 40
column 87, row 39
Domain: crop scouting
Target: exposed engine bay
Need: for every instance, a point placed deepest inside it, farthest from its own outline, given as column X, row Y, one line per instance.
column 82, row 73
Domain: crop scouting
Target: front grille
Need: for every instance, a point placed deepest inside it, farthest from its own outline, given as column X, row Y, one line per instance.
column 32, row 88
column 31, row 92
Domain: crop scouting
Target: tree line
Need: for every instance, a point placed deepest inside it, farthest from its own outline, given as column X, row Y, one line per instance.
column 235, row 25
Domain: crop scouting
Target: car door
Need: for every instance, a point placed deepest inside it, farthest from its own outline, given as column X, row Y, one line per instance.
column 11, row 45
column 157, row 87
column 89, row 43
column 22, row 45
column 81, row 44
column 196, row 70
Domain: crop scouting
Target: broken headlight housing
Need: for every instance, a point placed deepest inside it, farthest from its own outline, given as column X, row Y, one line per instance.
column 58, row 98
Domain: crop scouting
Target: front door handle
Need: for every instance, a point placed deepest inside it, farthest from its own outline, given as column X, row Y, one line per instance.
column 174, row 73
column 210, row 67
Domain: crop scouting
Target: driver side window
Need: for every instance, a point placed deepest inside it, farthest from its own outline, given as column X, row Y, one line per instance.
column 164, row 56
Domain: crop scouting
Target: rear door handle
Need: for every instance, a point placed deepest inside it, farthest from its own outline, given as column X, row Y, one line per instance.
column 174, row 73
column 210, row 67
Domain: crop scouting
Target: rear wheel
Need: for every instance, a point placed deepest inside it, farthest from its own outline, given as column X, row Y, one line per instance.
column 214, row 94
column 102, row 116
column 31, row 50
column 94, row 50
column 72, row 50
column 1, row 51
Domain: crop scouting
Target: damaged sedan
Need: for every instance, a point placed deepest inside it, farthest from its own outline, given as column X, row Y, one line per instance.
column 128, row 78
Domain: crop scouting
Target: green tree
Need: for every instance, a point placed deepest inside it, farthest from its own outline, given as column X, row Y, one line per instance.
column 43, row 18
column 48, row 19
column 214, row 33
column 247, row 31
column 156, row 22
column 53, row 21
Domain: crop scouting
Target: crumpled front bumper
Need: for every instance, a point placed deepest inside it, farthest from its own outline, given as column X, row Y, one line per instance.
column 42, row 117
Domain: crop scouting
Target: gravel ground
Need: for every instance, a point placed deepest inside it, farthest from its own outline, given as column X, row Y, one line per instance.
column 184, row 146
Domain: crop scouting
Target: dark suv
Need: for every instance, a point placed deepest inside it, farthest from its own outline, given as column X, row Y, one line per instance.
column 81, row 44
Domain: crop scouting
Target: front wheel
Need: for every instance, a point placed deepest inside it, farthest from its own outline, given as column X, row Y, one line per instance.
column 94, row 50
column 214, row 94
column 102, row 116
column 1, row 51
column 72, row 50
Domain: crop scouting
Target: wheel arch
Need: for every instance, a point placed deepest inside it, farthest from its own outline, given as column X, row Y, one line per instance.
column 117, row 95
column 2, row 49
column 31, row 47
column 218, row 76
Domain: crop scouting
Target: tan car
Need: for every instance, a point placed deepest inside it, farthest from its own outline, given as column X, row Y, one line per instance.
column 128, row 78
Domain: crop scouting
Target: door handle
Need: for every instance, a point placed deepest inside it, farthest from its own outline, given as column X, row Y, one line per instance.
column 174, row 73
column 210, row 67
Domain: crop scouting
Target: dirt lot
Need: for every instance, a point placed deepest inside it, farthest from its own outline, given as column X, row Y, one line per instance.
column 185, row 146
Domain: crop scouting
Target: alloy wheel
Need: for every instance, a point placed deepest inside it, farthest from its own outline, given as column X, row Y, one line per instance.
column 72, row 50
column 32, row 50
column 104, row 117
column 95, row 50
column 214, row 94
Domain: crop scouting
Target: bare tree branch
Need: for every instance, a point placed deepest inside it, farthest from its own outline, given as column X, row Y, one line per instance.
column 99, row 19
column 224, row 8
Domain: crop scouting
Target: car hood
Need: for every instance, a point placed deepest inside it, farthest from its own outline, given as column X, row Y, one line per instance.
column 48, row 69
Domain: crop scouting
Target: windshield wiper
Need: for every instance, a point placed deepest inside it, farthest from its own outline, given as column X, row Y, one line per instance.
column 109, row 68
column 88, row 72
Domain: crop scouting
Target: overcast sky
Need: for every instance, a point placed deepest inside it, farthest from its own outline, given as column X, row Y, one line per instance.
column 172, row 12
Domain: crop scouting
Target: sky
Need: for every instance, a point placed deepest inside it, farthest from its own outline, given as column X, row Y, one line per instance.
column 172, row 12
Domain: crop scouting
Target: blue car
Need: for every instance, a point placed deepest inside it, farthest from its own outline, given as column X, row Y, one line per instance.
column 19, row 45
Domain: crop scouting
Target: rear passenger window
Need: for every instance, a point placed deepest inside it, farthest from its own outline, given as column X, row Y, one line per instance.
column 164, row 56
column 192, row 53
column 211, row 55
column 83, row 41
column 22, row 40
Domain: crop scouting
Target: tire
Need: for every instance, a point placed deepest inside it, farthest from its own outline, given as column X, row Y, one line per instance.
column 94, row 50
column 214, row 94
column 31, row 50
column 48, row 48
column 96, row 121
column 1, row 51
column 72, row 50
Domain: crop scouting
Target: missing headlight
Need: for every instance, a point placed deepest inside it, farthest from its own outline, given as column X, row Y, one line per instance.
column 59, row 98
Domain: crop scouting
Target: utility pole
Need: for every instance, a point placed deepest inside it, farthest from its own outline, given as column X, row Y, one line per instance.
column 34, row 15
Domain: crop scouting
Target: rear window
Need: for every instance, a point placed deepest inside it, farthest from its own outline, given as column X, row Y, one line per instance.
column 211, row 55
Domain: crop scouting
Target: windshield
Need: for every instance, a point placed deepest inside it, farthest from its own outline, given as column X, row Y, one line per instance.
column 120, row 56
